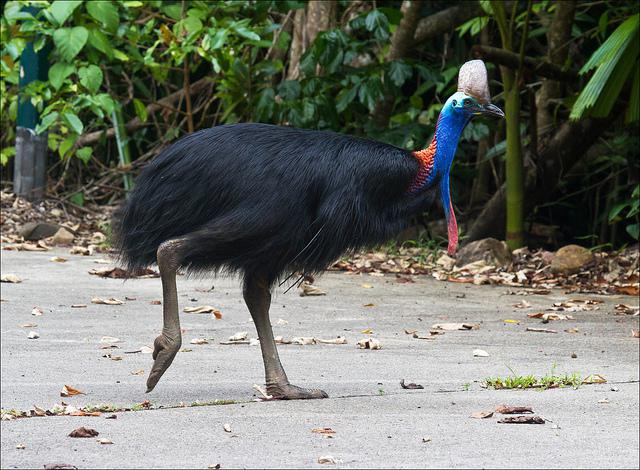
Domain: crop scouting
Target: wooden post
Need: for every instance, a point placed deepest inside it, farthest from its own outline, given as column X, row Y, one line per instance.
column 30, row 163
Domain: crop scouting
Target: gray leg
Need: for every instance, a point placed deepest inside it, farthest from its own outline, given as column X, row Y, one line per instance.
column 166, row 346
column 258, row 299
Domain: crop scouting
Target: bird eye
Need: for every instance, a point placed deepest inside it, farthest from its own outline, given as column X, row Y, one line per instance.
column 454, row 102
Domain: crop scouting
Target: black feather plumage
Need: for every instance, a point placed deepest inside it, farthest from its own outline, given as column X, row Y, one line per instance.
column 267, row 199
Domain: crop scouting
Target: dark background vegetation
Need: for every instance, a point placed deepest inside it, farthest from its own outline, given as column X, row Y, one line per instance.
column 563, row 167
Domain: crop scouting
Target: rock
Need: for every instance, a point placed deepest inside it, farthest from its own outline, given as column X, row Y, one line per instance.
column 62, row 237
column 38, row 230
column 571, row 259
column 493, row 252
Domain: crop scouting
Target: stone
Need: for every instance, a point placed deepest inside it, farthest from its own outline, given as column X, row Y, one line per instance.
column 570, row 259
column 33, row 231
column 62, row 237
column 493, row 252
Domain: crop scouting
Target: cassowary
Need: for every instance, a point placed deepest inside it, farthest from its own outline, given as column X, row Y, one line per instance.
column 263, row 201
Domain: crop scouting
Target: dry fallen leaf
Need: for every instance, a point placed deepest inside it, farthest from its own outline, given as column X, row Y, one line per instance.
column 137, row 372
column 204, row 309
column 307, row 289
column 240, row 336
column 119, row 273
column 79, row 306
column 303, row 340
column 146, row 350
column 369, row 343
column 550, row 316
column 635, row 333
column 36, row 311
column 110, row 339
column 104, row 440
column 21, row 446
column 366, row 286
column 325, row 431
column 410, row 332
column 199, row 341
column 410, row 386
column 456, row 326
column 624, row 309
column 508, row 320
column 60, row 466
column 369, row 305
column 423, row 336
column 326, row 459
column 541, row 330
column 522, row 420
column 12, row 278
column 83, row 432
column 58, row 259
column 68, row 391
column 155, row 302
column 522, row 304
column 338, row 340
column 480, row 353
column 508, row 410
column 110, row 301
column 28, row 325
column 368, row 331
column 481, row 414
column 33, row 335
column 594, row 379
column 572, row 330
column 226, row 427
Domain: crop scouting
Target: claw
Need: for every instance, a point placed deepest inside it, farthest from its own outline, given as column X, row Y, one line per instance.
column 292, row 392
column 164, row 351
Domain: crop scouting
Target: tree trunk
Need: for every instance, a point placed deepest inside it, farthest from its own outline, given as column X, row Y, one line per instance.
column 436, row 25
column 297, row 45
column 558, row 37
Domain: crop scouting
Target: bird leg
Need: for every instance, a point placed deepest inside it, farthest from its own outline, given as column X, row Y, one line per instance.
column 258, row 298
column 166, row 346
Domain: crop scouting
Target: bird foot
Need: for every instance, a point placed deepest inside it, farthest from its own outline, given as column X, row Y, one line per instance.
column 164, row 350
column 291, row 392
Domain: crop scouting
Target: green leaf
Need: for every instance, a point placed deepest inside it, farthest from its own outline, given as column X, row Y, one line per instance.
column 91, row 77
column 77, row 198
column 74, row 121
column 634, row 231
column 378, row 23
column 265, row 104
column 105, row 102
column 120, row 55
column 133, row 4
column 58, row 72
column 61, row 10
column 246, row 33
column 399, row 72
column 100, row 41
column 345, row 97
column 615, row 210
column 192, row 24
column 289, row 90
column 84, row 154
column 70, row 41
column 105, row 13
column 141, row 110
column 66, row 145
column 46, row 122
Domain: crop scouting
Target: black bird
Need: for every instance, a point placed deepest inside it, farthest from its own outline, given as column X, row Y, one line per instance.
column 264, row 201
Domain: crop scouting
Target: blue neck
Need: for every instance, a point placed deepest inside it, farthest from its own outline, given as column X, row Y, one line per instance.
column 447, row 134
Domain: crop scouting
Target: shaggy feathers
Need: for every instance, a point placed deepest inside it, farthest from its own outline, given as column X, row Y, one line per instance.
column 252, row 197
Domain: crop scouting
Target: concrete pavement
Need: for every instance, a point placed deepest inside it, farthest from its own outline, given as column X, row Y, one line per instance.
column 376, row 423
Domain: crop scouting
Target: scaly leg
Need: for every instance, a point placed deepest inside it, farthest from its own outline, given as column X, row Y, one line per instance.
column 258, row 299
column 166, row 346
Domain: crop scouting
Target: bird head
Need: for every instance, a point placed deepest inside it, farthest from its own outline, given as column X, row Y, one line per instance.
column 470, row 100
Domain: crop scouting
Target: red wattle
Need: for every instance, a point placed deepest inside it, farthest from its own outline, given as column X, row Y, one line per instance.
column 452, row 229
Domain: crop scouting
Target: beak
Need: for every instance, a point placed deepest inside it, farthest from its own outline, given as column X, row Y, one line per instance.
column 492, row 110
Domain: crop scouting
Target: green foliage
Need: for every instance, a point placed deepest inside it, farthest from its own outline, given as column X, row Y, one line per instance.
column 614, row 60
